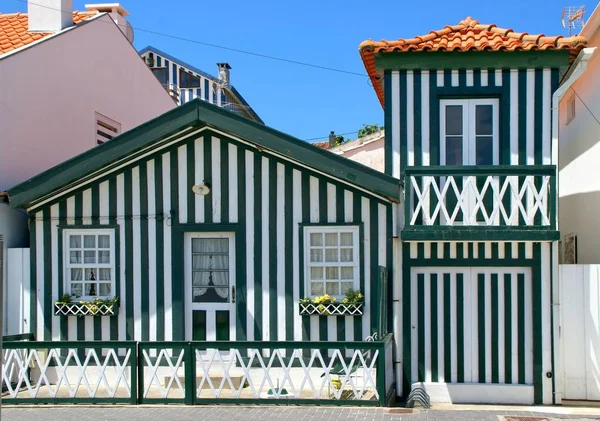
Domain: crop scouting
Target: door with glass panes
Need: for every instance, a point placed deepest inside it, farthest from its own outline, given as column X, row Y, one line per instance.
column 469, row 136
column 210, row 286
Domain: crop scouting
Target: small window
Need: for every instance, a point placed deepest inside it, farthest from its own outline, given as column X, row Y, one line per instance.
column 162, row 74
column 106, row 129
column 90, row 263
column 331, row 260
column 570, row 109
column 188, row 80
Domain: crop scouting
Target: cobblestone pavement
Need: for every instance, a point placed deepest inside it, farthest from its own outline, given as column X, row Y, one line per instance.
column 235, row 413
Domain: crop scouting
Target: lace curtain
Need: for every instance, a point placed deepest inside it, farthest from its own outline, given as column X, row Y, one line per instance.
column 210, row 265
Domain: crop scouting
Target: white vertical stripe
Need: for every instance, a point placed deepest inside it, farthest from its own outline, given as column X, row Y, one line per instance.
column 122, row 290
column 515, row 327
column 265, row 250
column 469, row 77
column 488, row 326
column 199, row 178
column 501, row 249
column 466, row 250
column 137, row 264
column 166, row 180
column 427, row 249
column 414, row 251
column 546, row 118
column 514, row 117
column 530, row 117
column 425, row 136
column 410, row 119
column 211, row 326
column 529, row 250
column 484, row 77
column 366, row 218
column 488, row 250
column 331, row 217
column 296, row 219
column 475, row 250
column 453, row 249
column 348, row 217
column 546, row 324
column 453, row 328
column 440, row 327
column 71, row 321
column 528, row 329
column 87, row 213
column 281, row 316
column 395, row 124
column 498, row 77
column 211, row 90
column 397, row 312
column 151, row 221
column 427, row 327
column 233, row 183
column 454, row 79
column 414, row 323
column 183, row 184
column 54, row 243
column 514, row 249
column 470, row 333
column 440, row 78
column 216, row 179
column 314, row 217
column 250, row 197
column 103, row 189
column 501, row 338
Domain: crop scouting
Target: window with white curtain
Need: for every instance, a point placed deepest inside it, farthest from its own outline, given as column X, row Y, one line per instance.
column 331, row 259
column 90, row 263
column 210, row 270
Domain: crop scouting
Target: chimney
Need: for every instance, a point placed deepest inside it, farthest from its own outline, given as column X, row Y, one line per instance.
column 117, row 13
column 49, row 15
column 331, row 139
column 224, row 69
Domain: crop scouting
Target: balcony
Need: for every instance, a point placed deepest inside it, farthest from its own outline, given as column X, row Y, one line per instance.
column 480, row 203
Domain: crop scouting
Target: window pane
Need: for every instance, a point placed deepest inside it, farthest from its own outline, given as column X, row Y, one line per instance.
column 345, row 287
column 104, row 256
column 346, row 255
column 105, row 289
column 331, row 255
column 75, row 241
column 347, row 273
column 89, row 241
column 316, row 273
column 346, row 238
column 75, row 257
column 454, row 150
column 484, row 120
column 210, row 261
column 76, row 274
column 316, row 288
column 332, row 288
column 331, row 239
column 332, row 272
column 77, row 289
column 316, row 239
column 316, row 255
column 91, row 290
column 104, row 274
column 89, row 257
column 161, row 74
column 210, row 245
column 103, row 241
column 90, row 275
column 485, row 150
column 454, row 120
column 200, row 279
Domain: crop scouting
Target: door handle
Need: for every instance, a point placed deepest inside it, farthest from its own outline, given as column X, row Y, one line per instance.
column 233, row 294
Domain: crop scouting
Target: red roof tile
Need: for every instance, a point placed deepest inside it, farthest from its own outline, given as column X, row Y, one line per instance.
column 468, row 35
column 14, row 30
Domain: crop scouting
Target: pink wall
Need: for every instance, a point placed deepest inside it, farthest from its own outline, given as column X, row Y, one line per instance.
column 372, row 154
column 50, row 92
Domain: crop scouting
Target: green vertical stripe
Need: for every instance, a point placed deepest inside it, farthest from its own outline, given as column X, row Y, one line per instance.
column 222, row 325
column 521, row 324
column 357, row 216
column 79, row 221
column 323, row 205
column 416, row 106
column 390, row 266
column 492, row 76
column 434, row 327
column 273, row 249
column 403, row 119
column 477, row 78
column 62, row 215
column 33, row 274
column 538, row 327
column 434, row 120
column 144, row 249
column 191, row 180
column 160, row 252
column 447, row 330
column 199, row 325
column 495, row 348
column 421, row 325
column 462, row 78
column 538, row 114
column 406, row 319
column 47, row 299
column 387, row 88
column 460, row 327
column 481, row 325
column 305, row 195
column 522, row 95
column 112, row 219
column 224, row 181
column 504, row 129
column 374, row 259
column 289, row 253
column 177, row 274
column 508, row 328
column 208, row 209
column 447, row 78
column 96, row 220
column 258, row 246
column 241, row 288
column 128, row 241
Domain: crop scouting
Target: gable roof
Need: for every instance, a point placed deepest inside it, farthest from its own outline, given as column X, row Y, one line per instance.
column 195, row 114
column 468, row 35
column 14, row 30
column 234, row 92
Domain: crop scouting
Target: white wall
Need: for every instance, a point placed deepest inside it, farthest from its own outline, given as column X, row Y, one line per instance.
column 51, row 91
column 579, row 162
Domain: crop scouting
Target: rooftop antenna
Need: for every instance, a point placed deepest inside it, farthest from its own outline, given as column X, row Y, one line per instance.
column 572, row 17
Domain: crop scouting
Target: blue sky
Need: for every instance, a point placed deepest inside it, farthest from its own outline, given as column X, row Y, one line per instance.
column 303, row 101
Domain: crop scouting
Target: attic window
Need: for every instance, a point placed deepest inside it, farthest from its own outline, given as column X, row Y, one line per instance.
column 188, row 80
column 106, row 129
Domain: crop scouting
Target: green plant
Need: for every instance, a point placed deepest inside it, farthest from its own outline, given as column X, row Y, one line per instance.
column 368, row 129
column 353, row 296
column 65, row 299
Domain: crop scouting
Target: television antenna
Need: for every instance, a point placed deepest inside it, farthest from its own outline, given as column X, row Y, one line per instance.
column 572, row 17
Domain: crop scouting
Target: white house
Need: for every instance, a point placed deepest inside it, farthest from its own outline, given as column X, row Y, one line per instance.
column 579, row 156
column 69, row 81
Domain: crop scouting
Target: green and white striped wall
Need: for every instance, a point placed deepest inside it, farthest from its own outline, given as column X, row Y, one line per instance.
column 262, row 196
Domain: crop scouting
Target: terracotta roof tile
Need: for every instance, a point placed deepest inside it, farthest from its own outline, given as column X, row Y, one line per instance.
column 14, row 30
column 468, row 35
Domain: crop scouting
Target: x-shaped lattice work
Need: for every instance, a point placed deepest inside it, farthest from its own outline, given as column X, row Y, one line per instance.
column 332, row 309
column 164, row 361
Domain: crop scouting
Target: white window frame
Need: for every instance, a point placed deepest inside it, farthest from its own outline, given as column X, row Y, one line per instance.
column 68, row 265
column 469, row 145
column 339, row 229
column 103, row 121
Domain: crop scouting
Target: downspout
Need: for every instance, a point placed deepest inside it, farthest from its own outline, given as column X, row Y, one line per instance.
column 575, row 71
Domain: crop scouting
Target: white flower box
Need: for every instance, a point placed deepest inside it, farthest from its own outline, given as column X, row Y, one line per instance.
column 85, row 309
column 331, row 309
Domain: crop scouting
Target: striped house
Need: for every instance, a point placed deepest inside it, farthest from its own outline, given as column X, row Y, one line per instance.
column 185, row 82
column 469, row 134
column 208, row 226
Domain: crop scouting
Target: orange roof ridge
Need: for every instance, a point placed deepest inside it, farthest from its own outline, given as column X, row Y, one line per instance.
column 14, row 29
column 468, row 35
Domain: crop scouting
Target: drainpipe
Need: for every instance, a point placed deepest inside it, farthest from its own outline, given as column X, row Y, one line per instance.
column 577, row 69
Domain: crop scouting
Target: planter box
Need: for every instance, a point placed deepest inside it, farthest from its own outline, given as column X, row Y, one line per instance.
column 331, row 309
column 80, row 310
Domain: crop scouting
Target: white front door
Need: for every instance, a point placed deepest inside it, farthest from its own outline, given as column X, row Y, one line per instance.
column 209, row 286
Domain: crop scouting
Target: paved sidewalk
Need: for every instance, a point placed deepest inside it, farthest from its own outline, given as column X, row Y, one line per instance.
column 235, row 413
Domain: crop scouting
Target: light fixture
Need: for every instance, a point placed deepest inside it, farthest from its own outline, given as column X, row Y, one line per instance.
column 201, row 189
